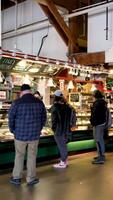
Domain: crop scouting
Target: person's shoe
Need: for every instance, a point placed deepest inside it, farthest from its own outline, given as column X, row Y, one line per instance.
column 61, row 165
column 99, row 160
column 97, row 157
column 33, row 182
column 15, row 181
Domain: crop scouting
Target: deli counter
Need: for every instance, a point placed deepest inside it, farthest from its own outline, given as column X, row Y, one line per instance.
column 79, row 140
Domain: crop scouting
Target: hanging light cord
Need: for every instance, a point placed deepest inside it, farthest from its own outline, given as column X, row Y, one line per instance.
column 43, row 40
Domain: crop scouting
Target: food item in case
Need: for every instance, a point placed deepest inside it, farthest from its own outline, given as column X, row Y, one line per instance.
column 6, row 136
column 46, row 131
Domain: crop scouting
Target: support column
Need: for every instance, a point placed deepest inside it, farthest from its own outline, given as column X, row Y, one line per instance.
column 44, row 91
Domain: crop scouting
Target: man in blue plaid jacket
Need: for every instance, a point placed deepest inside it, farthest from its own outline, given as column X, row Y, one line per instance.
column 27, row 116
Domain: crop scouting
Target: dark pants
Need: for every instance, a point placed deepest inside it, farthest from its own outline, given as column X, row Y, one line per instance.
column 61, row 143
column 98, row 134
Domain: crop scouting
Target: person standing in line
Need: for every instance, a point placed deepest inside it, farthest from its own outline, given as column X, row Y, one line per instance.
column 98, row 121
column 27, row 116
column 38, row 95
column 60, row 115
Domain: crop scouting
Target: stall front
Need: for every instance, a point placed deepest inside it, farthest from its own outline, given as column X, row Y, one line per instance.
column 46, row 75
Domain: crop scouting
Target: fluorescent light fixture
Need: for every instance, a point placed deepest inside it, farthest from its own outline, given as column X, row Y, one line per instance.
column 33, row 70
column 22, row 63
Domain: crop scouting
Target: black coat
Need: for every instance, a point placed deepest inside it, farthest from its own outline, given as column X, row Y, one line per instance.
column 60, row 115
column 98, row 112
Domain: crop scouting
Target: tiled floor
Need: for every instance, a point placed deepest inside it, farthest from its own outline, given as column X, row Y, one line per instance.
column 80, row 181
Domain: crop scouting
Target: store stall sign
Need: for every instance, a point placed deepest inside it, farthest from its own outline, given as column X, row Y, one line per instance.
column 7, row 63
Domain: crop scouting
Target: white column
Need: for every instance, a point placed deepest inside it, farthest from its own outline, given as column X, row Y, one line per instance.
column 44, row 91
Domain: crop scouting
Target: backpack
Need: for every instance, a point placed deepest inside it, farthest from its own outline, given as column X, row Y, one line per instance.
column 108, row 119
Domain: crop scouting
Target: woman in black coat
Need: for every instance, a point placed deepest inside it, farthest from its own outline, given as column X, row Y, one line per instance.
column 61, row 114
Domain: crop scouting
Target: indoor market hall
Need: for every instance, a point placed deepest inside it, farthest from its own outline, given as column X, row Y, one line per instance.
column 56, row 99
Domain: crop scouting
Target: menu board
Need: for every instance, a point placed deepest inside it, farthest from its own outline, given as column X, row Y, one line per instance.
column 74, row 97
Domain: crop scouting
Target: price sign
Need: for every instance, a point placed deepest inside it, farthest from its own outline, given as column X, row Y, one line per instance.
column 74, row 97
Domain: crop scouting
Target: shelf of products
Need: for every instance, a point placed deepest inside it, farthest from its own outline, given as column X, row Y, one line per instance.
column 82, row 103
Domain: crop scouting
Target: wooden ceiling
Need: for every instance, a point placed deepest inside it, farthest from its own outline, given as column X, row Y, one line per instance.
column 74, row 4
column 8, row 3
column 71, row 4
column 68, row 4
column 67, row 33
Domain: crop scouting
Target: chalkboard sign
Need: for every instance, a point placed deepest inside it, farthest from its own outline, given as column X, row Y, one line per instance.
column 74, row 97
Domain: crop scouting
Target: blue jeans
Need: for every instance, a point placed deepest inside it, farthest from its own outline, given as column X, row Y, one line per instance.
column 61, row 143
column 98, row 134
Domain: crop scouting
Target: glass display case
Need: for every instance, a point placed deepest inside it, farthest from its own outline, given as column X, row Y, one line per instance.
column 6, row 135
column 79, row 141
column 81, row 137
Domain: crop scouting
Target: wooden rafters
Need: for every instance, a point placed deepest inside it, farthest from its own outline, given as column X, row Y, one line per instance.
column 54, row 22
column 42, row 2
column 51, row 11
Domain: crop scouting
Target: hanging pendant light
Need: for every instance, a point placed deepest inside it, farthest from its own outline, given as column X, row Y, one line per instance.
column 93, row 88
column 70, row 85
column 50, row 83
column 26, row 79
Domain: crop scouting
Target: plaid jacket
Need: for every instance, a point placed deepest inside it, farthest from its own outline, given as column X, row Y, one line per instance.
column 27, row 116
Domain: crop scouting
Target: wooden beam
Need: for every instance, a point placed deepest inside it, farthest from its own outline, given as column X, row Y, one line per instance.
column 60, row 20
column 90, row 58
column 54, row 22
column 54, row 16
column 42, row 2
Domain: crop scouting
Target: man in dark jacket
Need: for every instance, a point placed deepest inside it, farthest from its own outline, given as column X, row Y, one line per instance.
column 98, row 121
column 61, row 114
column 27, row 116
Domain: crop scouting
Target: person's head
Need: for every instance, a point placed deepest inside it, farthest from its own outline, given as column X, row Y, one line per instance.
column 38, row 95
column 98, row 94
column 25, row 88
column 58, row 96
